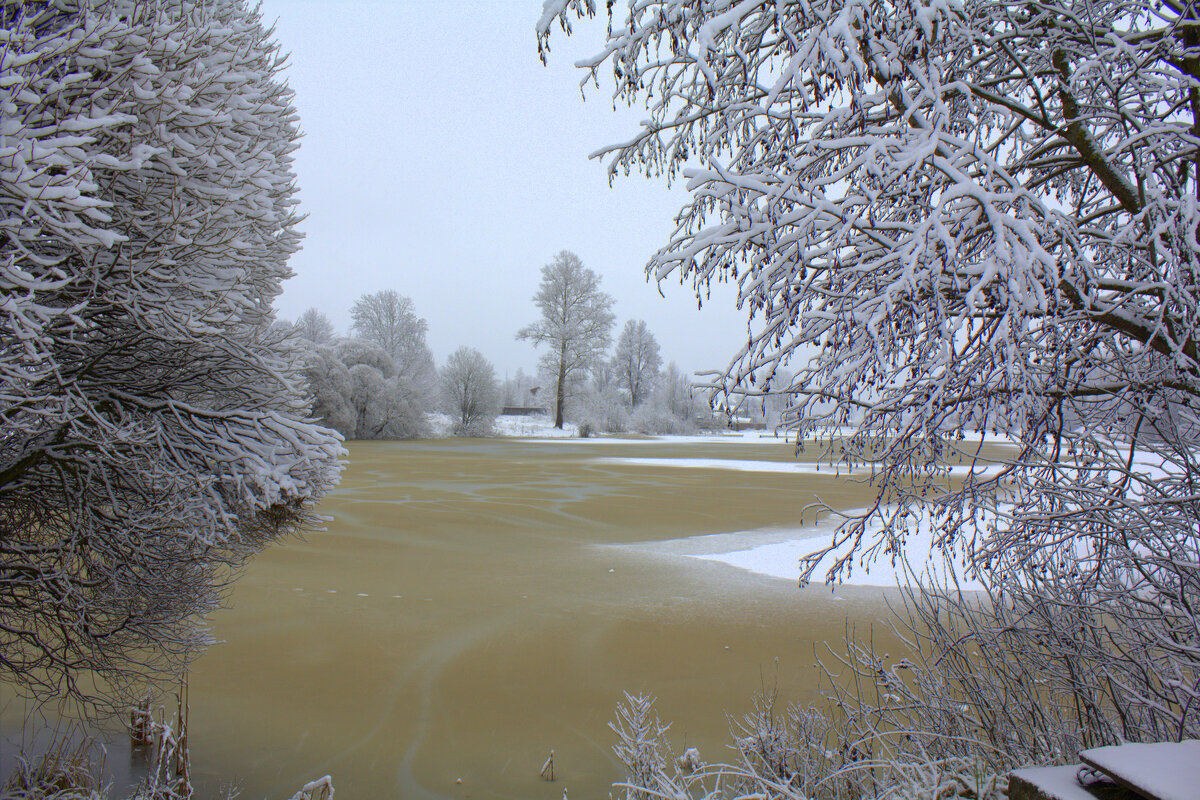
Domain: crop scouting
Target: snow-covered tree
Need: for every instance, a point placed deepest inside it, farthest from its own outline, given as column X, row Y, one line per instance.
column 953, row 216
column 973, row 215
column 389, row 320
column 677, row 395
column 575, row 326
column 383, row 403
column 636, row 361
column 154, row 422
column 470, row 393
column 313, row 326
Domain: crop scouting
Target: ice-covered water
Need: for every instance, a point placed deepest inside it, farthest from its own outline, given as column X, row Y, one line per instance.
column 477, row 603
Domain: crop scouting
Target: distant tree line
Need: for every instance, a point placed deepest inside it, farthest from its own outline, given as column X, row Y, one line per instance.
column 627, row 391
column 380, row 381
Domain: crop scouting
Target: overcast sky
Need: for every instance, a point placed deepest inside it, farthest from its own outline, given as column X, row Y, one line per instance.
column 442, row 160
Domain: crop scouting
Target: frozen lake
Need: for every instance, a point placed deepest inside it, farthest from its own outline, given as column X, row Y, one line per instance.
column 476, row 603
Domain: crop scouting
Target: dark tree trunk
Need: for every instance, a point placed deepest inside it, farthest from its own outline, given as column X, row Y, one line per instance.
column 562, row 386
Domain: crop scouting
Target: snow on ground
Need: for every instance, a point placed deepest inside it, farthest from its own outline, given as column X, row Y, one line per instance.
column 786, row 467
column 535, row 426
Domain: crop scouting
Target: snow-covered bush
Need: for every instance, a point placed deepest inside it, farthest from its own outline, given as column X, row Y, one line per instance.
column 357, row 389
column 599, row 410
column 656, row 419
column 154, row 423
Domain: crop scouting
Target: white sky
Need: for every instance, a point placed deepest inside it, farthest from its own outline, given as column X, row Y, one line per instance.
column 442, row 160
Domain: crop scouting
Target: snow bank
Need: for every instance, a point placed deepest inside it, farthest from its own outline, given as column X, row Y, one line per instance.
column 536, row 426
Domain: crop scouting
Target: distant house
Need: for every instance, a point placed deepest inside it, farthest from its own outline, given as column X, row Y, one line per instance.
column 531, row 408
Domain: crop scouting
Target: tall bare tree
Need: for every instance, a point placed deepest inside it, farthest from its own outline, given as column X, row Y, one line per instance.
column 575, row 327
column 313, row 326
column 469, row 392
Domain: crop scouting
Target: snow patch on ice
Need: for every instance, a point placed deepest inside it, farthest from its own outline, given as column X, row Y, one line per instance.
column 776, row 552
column 733, row 437
column 740, row 465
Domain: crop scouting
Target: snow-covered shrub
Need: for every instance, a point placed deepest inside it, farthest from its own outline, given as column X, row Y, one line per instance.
column 600, row 411
column 385, row 407
column 652, row 418
column 356, row 388
column 155, row 428
column 355, row 352
column 651, row 772
column 63, row 772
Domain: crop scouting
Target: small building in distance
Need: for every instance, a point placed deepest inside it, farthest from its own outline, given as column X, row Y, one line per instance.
column 530, row 409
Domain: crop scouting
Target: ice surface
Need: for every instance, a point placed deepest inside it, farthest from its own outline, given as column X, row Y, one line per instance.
column 754, row 437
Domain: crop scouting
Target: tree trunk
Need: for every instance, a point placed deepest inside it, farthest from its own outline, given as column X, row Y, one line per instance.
column 562, row 386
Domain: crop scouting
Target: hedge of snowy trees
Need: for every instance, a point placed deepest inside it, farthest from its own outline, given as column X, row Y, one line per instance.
column 154, row 422
column 946, row 217
column 380, row 384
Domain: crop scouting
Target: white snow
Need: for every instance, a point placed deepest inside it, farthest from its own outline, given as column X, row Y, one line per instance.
column 1162, row 770
column 1056, row 783
column 755, row 437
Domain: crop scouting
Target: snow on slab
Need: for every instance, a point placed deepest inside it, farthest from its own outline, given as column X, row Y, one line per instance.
column 1054, row 783
column 1159, row 771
